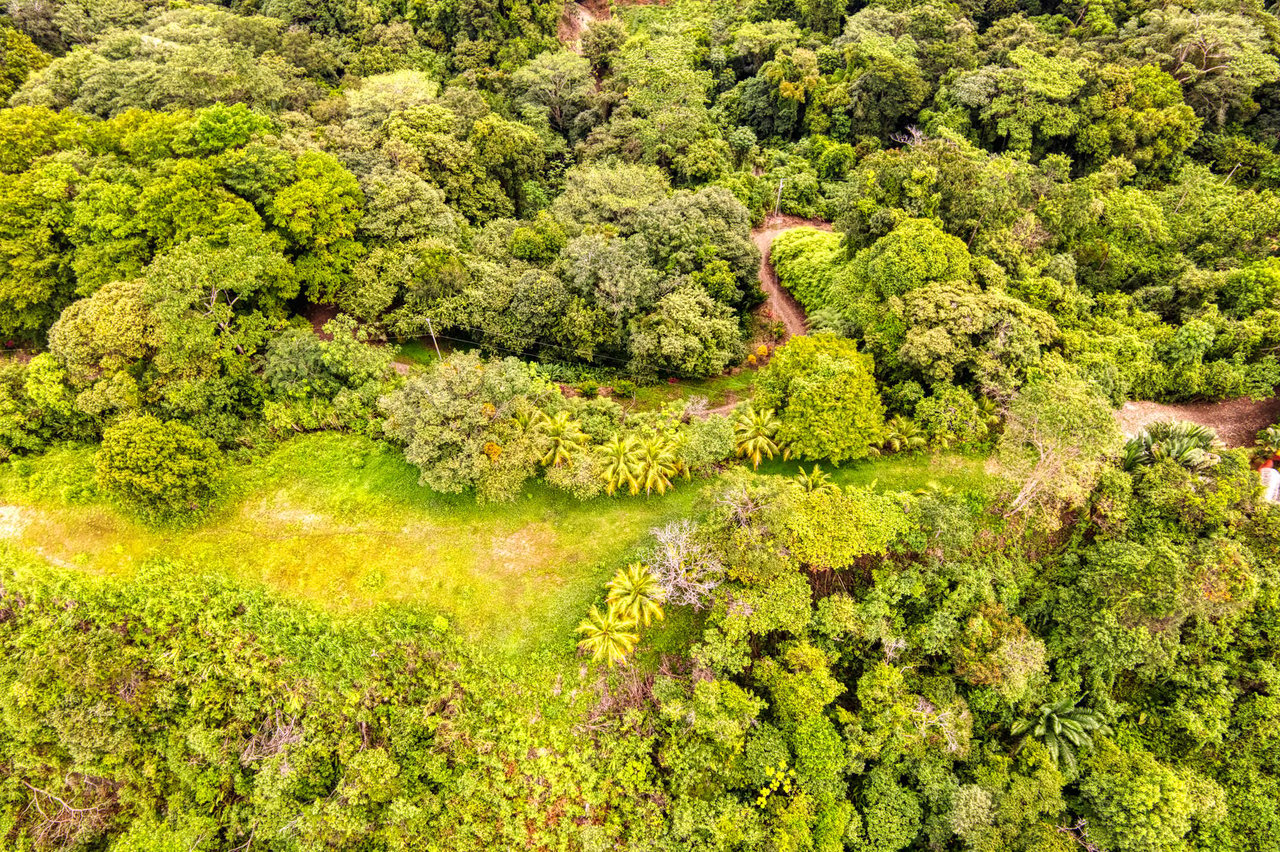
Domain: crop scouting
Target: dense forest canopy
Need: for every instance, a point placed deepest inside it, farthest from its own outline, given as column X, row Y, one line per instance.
column 529, row 252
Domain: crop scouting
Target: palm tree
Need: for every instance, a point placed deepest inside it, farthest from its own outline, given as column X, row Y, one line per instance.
column 989, row 412
column 934, row 488
column 814, row 481
column 903, row 435
column 619, row 459
column 1063, row 727
column 755, row 434
column 943, row 439
column 636, row 594
column 566, row 437
column 655, row 465
column 608, row 636
column 1189, row 444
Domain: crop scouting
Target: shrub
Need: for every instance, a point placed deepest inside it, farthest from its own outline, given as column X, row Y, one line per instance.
column 825, row 394
column 159, row 468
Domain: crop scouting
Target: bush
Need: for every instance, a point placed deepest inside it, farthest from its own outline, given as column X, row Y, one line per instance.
column 825, row 394
column 161, row 469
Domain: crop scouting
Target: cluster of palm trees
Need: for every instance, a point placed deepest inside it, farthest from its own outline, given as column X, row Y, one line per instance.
column 634, row 598
column 636, row 465
column 627, row 463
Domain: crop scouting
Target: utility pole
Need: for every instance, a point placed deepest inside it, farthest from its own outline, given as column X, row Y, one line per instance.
column 431, row 329
column 777, row 207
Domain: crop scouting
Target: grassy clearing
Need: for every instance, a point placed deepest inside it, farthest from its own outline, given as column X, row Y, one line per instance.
column 342, row 522
column 719, row 390
column 962, row 472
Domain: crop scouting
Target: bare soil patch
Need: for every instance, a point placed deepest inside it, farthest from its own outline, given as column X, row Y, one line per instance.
column 1237, row 421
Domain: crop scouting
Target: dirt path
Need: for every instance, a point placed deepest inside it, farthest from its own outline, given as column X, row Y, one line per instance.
column 1237, row 421
column 779, row 304
column 576, row 18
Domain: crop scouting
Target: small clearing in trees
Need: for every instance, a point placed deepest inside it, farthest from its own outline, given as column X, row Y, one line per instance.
column 1237, row 421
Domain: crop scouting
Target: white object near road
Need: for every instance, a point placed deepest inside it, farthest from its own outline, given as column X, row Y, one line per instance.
column 1270, row 484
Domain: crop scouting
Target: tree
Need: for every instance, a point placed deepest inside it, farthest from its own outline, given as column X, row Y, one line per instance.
column 1219, row 57
column 607, row 636
column 636, row 594
column 687, row 569
column 1064, row 728
column 161, row 469
column 688, row 333
column 558, row 88
column 321, row 206
column 1138, row 113
column 608, row 193
column 825, row 394
column 1057, row 439
column 18, row 57
column 913, row 254
column 1140, row 805
column 457, row 422
column 755, row 434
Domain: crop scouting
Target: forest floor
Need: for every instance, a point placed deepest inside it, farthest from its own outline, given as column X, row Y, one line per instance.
column 779, row 304
column 342, row 522
column 1237, row 421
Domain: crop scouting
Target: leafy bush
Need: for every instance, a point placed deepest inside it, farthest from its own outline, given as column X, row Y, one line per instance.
column 825, row 394
column 161, row 469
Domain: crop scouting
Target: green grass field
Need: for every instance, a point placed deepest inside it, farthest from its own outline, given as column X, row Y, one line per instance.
column 719, row 390
column 341, row 521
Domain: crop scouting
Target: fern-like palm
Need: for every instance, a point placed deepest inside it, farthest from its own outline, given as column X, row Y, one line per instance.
column 1188, row 444
column 813, row 481
column 903, row 436
column 619, row 461
column 565, row 436
column 1269, row 440
column 656, row 463
column 636, row 594
column 755, row 434
column 1064, row 728
column 989, row 411
column 607, row 636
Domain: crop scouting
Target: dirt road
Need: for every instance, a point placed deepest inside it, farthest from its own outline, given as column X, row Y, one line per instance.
column 778, row 302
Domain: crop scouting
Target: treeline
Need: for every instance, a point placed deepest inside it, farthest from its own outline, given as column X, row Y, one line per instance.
column 1015, row 190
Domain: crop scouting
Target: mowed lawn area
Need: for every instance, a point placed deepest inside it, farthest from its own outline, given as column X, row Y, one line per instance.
column 341, row 521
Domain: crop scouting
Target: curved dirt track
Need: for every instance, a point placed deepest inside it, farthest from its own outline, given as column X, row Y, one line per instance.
column 780, row 304
column 1237, row 421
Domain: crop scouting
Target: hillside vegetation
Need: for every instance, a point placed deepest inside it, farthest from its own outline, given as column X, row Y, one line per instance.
column 451, row 425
